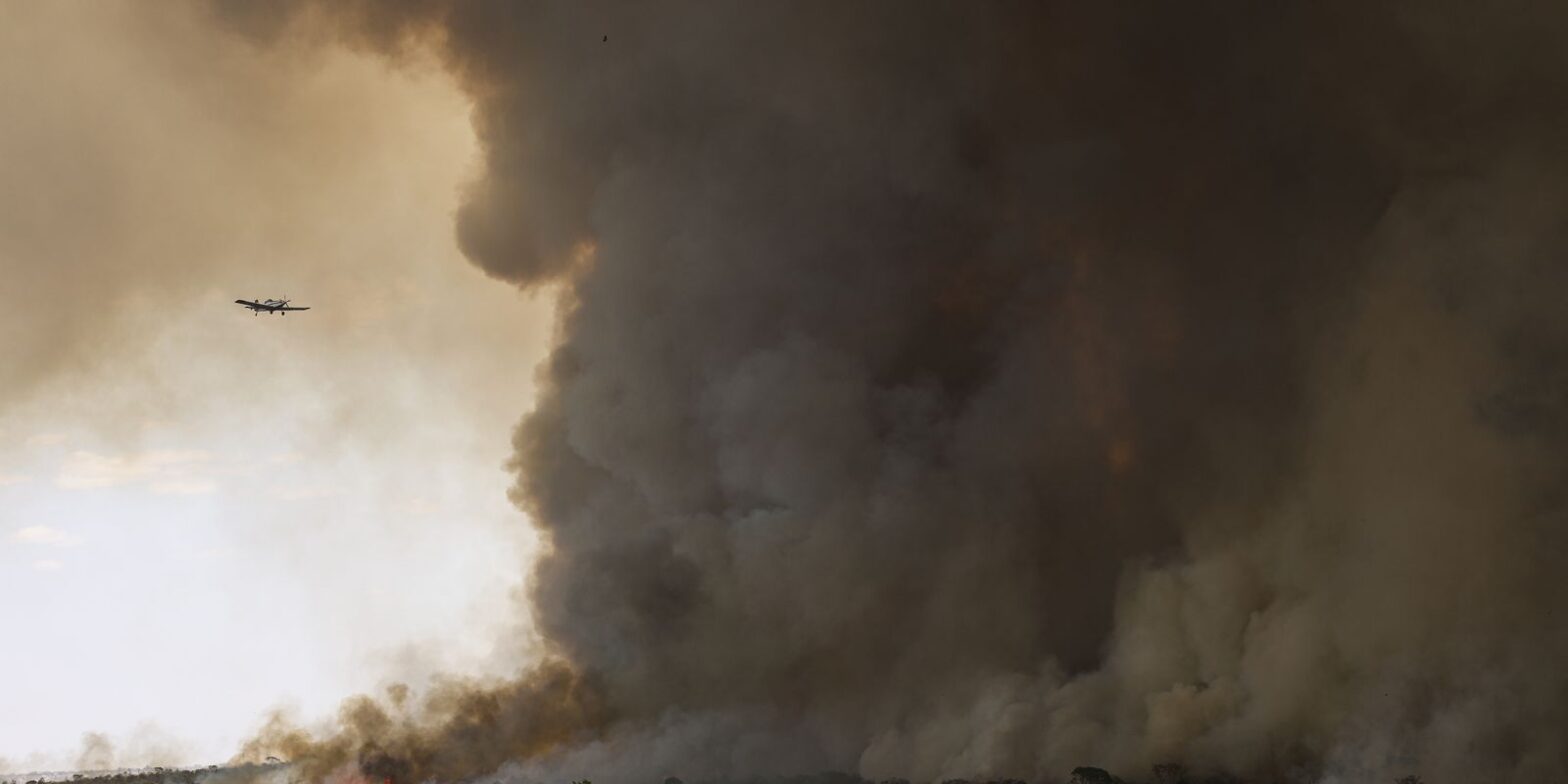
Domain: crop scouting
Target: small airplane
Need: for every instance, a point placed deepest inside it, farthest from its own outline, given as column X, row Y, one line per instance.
column 279, row 306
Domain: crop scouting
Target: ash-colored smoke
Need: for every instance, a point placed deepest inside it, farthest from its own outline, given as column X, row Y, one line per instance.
column 985, row 390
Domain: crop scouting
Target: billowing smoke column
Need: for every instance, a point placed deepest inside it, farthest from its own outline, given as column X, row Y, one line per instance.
column 986, row 390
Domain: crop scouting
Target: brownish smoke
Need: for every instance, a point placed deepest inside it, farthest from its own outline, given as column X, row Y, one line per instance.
column 460, row 728
column 988, row 390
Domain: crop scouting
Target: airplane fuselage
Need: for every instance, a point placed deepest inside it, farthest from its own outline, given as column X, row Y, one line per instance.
column 279, row 306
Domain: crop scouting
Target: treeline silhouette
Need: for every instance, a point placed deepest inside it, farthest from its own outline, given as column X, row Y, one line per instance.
column 1160, row 774
column 157, row 775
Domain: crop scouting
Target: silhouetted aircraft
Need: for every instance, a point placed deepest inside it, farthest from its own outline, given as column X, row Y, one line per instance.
column 280, row 306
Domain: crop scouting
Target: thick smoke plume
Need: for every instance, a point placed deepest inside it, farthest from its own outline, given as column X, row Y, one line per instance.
column 984, row 390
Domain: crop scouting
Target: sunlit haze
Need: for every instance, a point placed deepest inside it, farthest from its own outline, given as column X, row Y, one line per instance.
column 205, row 514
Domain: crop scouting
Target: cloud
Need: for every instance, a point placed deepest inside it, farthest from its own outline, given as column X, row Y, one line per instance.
column 7, row 480
column 300, row 492
column 419, row 507
column 47, row 565
column 44, row 535
column 184, row 487
column 170, row 472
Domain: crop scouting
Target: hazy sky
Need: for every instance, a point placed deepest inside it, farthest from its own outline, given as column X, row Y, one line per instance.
column 205, row 514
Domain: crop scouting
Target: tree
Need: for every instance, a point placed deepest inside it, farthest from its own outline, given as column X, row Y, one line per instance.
column 1088, row 775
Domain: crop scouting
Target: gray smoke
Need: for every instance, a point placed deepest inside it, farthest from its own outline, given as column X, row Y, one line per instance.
column 984, row 390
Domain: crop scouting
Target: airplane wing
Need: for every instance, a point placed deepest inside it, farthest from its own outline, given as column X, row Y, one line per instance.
column 269, row 306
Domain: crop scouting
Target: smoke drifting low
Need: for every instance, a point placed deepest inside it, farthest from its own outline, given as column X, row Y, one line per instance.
column 989, row 390
column 460, row 728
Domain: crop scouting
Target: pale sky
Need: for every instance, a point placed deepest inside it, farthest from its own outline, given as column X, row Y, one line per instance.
column 206, row 515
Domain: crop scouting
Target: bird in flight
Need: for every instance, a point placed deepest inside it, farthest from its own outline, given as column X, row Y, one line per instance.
column 279, row 306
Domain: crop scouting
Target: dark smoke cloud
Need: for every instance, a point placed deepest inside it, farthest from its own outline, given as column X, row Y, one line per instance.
column 986, row 390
